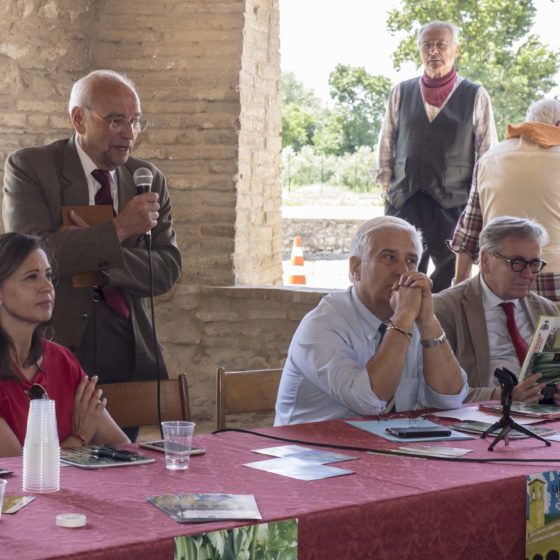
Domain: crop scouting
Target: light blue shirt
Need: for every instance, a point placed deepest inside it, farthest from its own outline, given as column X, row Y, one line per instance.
column 325, row 375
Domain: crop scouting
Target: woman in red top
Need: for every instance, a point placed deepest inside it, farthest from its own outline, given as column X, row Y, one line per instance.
column 26, row 359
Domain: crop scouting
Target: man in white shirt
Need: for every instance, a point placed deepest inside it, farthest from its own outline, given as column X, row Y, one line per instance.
column 474, row 314
column 376, row 347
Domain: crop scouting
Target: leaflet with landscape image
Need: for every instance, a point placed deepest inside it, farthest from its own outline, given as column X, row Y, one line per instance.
column 543, row 355
column 305, row 454
column 190, row 508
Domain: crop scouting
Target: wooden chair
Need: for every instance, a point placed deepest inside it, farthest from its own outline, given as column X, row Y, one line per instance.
column 245, row 391
column 134, row 403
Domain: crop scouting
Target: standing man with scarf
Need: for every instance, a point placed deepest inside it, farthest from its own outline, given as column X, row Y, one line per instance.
column 435, row 129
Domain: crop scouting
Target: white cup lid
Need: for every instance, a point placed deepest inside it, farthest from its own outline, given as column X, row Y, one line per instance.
column 71, row 520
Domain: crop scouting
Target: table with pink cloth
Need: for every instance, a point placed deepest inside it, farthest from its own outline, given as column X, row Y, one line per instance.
column 392, row 507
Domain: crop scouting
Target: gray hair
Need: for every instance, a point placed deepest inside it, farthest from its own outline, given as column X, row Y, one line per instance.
column 544, row 111
column 436, row 24
column 499, row 229
column 79, row 96
column 363, row 237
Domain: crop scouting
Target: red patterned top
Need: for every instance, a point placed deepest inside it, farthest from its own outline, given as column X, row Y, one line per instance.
column 60, row 375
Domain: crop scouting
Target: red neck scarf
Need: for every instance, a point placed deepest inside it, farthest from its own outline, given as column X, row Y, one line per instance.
column 436, row 90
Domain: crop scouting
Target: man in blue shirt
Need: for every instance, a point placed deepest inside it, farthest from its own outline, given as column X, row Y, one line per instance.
column 376, row 347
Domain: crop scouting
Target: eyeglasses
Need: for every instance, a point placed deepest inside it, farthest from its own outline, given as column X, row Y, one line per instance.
column 37, row 391
column 427, row 46
column 138, row 124
column 519, row 265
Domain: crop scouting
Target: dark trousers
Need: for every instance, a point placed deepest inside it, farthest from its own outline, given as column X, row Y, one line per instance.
column 107, row 349
column 437, row 225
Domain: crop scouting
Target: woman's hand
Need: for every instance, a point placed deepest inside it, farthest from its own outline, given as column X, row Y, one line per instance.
column 88, row 408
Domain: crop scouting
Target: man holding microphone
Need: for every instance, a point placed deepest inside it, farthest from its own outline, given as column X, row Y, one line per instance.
column 105, row 324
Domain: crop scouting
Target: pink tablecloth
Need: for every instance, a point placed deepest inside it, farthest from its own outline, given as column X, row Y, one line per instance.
column 392, row 507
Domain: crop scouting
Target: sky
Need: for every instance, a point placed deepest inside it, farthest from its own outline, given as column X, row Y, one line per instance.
column 315, row 35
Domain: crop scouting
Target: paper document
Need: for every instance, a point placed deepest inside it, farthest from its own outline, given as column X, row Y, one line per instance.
column 297, row 468
column 379, row 427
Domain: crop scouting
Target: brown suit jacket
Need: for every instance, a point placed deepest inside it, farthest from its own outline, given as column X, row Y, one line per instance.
column 461, row 314
column 38, row 181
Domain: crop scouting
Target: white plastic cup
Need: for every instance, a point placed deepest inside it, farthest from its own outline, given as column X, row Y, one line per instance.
column 41, row 449
column 177, row 441
column 3, row 484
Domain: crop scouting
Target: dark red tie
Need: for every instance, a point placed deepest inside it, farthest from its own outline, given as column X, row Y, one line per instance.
column 114, row 297
column 103, row 195
column 519, row 342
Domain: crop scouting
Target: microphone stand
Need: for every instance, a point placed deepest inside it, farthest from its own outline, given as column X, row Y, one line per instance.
column 506, row 423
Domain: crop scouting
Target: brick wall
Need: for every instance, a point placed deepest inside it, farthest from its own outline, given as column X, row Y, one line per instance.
column 208, row 76
column 233, row 327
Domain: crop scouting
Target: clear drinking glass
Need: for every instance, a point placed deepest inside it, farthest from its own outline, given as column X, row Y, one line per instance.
column 177, row 439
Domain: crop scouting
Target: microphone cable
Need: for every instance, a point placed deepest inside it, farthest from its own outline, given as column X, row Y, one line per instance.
column 147, row 239
column 143, row 178
column 389, row 451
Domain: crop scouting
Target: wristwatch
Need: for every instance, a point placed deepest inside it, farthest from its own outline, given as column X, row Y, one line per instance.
column 431, row 342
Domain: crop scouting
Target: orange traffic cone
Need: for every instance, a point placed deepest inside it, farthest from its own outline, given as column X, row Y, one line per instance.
column 297, row 276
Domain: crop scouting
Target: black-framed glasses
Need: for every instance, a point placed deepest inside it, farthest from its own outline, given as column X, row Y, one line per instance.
column 519, row 265
column 118, row 122
column 427, row 46
column 37, row 391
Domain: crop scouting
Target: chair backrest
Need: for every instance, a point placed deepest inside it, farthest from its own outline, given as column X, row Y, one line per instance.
column 134, row 403
column 245, row 391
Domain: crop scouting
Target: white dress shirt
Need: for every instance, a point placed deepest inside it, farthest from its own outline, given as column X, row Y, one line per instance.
column 502, row 351
column 93, row 185
column 325, row 375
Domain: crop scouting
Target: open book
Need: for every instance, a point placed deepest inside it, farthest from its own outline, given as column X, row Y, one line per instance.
column 543, row 355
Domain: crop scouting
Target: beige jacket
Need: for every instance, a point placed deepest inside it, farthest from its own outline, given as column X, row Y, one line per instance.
column 461, row 314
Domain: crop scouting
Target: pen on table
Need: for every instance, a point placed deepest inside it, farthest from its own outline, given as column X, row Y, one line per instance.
column 118, row 456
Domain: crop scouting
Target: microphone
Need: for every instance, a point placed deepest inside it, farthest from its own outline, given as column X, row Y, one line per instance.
column 143, row 178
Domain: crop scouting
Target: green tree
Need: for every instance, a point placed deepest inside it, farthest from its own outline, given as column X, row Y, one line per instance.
column 298, row 126
column 329, row 137
column 293, row 91
column 301, row 110
column 496, row 49
column 360, row 100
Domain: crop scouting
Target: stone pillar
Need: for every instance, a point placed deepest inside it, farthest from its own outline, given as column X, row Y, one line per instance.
column 258, row 239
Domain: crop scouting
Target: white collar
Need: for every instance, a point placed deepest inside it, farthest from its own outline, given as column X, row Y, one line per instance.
column 87, row 162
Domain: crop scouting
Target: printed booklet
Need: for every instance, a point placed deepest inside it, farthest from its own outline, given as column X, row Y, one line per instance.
column 544, row 351
column 191, row 508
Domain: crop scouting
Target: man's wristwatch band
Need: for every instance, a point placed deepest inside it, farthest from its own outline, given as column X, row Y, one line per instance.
column 431, row 342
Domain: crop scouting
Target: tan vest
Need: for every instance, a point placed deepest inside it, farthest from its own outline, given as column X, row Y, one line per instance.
column 519, row 178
